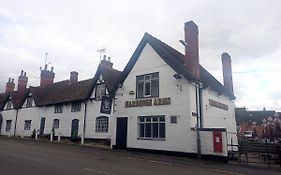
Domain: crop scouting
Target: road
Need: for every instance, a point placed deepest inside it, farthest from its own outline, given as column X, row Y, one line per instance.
column 28, row 157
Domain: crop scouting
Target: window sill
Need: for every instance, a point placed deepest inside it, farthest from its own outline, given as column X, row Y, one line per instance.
column 154, row 139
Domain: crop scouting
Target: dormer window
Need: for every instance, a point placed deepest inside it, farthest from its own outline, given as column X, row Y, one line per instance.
column 58, row 108
column 29, row 102
column 100, row 91
column 147, row 85
column 76, row 107
column 9, row 104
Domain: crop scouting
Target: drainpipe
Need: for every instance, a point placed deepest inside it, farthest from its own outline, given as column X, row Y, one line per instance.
column 198, row 112
column 84, row 123
column 16, row 122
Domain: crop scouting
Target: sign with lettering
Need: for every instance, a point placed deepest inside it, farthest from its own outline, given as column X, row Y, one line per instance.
column 148, row 102
column 217, row 104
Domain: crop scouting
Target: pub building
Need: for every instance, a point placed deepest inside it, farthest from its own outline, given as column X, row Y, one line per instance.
column 167, row 101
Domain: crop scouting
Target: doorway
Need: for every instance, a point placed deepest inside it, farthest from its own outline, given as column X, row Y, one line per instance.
column 74, row 128
column 121, row 133
column 42, row 126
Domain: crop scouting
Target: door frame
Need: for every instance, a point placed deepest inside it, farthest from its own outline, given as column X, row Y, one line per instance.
column 121, row 133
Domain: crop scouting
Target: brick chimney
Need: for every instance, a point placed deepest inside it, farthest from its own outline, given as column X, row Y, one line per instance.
column 22, row 81
column 73, row 76
column 10, row 85
column 106, row 62
column 47, row 76
column 227, row 71
column 192, row 48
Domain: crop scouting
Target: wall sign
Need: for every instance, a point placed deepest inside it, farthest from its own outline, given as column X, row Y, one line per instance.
column 217, row 104
column 105, row 105
column 148, row 102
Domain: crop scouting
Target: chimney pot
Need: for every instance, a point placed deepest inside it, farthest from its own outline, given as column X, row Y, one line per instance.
column 104, row 57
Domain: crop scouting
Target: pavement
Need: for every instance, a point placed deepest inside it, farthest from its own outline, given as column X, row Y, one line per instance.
column 28, row 157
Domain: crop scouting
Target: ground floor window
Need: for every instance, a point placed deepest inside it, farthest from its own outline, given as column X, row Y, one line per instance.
column 56, row 123
column 8, row 125
column 27, row 124
column 152, row 127
column 102, row 124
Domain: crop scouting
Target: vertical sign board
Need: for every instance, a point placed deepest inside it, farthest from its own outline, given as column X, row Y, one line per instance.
column 105, row 105
column 217, row 141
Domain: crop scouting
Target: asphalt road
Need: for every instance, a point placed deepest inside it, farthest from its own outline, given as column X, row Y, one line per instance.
column 27, row 157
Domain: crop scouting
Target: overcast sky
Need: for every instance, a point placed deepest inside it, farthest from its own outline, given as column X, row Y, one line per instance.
column 72, row 31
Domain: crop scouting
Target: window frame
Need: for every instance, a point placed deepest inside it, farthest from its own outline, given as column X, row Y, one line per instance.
column 58, row 108
column 57, row 124
column 9, row 104
column 102, row 127
column 27, row 125
column 102, row 91
column 76, row 107
column 144, row 80
column 153, row 124
column 29, row 101
column 8, row 127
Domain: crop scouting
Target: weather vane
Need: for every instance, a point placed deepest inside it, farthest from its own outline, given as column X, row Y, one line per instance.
column 102, row 50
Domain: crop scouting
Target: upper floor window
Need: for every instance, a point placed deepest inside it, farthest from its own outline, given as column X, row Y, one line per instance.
column 9, row 104
column 148, row 85
column 8, row 125
column 58, row 108
column 102, row 124
column 56, row 123
column 100, row 91
column 76, row 107
column 27, row 124
column 29, row 102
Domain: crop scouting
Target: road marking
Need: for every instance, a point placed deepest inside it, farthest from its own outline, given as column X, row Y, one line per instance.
column 99, row 172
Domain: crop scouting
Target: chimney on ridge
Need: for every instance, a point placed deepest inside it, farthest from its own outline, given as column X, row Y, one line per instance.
column 22, row 81
column 47, row 76
column 227, row 71
column 106, row 62
column 192, row 48
column 73, row 76
column 10, row 85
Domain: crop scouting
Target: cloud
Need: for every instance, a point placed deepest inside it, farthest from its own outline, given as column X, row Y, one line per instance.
column 71, row 32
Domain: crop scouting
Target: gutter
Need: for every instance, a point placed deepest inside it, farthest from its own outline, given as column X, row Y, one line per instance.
column 15, row 128
column 84, row 120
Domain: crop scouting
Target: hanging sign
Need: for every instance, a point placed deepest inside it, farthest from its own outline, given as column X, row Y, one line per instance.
column 105, row 105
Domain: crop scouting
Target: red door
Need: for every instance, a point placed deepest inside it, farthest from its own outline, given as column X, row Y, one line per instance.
column 217, row 140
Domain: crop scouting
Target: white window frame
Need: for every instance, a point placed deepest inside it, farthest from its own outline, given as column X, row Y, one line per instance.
column 27, row 124
column 145, row 122
column 102, row 124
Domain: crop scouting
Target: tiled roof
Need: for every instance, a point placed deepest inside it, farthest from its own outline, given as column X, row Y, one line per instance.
column 62, row 92
column 18, row 98
column 3, row 99
column 109, row 75
column 175, row 59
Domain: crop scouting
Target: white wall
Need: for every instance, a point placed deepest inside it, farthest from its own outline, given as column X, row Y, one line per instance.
column 178, row 136
column 218, row 118
column 8, row 115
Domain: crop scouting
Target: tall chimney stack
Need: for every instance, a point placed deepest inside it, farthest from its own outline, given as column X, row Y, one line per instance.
column 22, row 81
column 10, row 85
column 227, row 71
column 192, row 48
column 47, row 76
column 73, row 76
column 106, row 62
